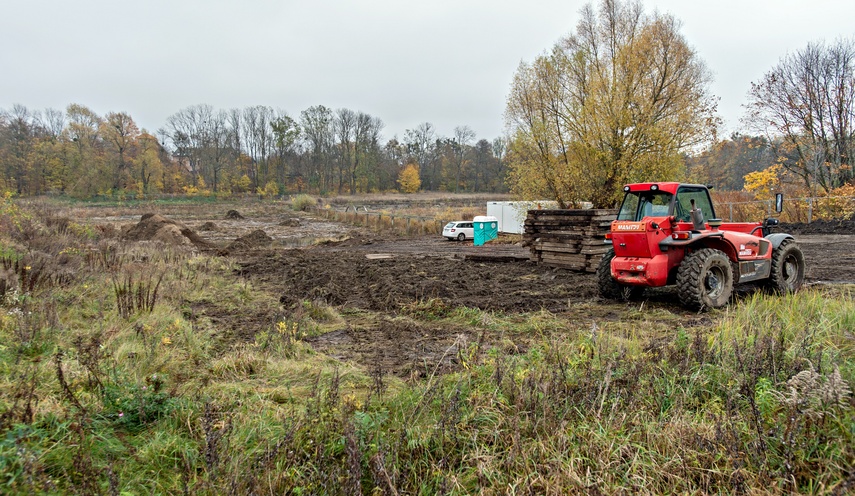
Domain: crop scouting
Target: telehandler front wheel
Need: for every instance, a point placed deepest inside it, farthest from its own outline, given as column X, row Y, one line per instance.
column 705, row 279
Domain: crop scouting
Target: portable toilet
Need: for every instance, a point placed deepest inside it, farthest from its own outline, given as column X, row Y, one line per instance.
column 486, row 228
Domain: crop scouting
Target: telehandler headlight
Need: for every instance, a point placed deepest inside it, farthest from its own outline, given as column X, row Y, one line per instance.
column 681, row 235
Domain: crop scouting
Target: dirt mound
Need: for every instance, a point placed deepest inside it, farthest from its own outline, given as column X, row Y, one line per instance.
column 148, row 226
column 209, row 226
column 255, row 239
column 819, row 227
column 290, row 223
column 234, row 215
column 171, row 235
column 155, row 227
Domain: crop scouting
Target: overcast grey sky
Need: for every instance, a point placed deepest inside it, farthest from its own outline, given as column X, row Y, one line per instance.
column 446, row 62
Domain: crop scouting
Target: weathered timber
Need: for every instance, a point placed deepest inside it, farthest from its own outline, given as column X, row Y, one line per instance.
column 572, row 239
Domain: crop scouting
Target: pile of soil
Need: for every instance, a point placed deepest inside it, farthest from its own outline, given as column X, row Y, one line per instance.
column 255, row 239
column 155, row 227
column 209, row 226
column 290, row 223
column 234, row 215
column 819, row 227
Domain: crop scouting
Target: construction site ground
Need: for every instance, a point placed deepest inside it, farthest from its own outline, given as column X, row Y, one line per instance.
column 379, row 281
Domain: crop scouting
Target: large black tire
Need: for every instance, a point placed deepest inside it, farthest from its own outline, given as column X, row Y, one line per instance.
column 705, row 279
column 609, row 287
column 788, row 268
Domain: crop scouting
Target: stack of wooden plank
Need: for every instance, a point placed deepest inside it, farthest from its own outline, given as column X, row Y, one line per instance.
column 572, row 239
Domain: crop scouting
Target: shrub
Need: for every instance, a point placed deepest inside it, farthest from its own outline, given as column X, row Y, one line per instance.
column 303, row 203
column 270, row 190
column 838, row 204
column 132, row 406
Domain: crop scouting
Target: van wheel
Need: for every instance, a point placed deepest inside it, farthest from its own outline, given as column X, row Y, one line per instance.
column 461, row 237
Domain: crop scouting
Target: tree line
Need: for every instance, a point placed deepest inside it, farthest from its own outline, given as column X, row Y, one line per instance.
column 623, row 98
column 256, row 149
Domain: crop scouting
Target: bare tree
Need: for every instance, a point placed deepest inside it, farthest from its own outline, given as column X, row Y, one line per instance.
column 421, row 145
column 345, row 128
column 366, row 147
column 189, row 132
column 257, row 140
column 218, row 149
column 808, row 99
column 463, row 136
column 53, row 121
column 316, row 123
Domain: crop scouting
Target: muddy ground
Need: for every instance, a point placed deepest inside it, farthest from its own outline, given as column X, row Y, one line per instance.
column 384, row 284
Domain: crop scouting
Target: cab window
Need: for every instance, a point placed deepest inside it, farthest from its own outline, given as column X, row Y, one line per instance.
column 685, row 195
column 640, row 204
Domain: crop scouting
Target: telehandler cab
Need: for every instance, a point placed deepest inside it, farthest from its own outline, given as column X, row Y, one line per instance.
column 660, row 238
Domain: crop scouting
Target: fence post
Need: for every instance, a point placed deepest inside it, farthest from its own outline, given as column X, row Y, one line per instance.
column 810, row 210
column 731, row 211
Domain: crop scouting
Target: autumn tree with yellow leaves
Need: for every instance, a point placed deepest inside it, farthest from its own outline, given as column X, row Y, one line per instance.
column 616, row 101
column 409, row 180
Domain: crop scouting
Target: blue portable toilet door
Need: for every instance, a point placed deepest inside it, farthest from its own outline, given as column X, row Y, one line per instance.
column 486, row 228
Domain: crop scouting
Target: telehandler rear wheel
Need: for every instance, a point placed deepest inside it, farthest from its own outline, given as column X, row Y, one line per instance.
column 705, row 279
column 609, row 287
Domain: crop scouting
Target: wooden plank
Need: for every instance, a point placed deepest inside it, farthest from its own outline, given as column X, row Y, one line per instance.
column 564, row 258
column 494, row 258
column 546, row 245
column 573, row 212
column 378, row 256
column 595, row 251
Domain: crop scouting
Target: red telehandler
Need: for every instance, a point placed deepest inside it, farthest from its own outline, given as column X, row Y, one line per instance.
column 661, row 237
